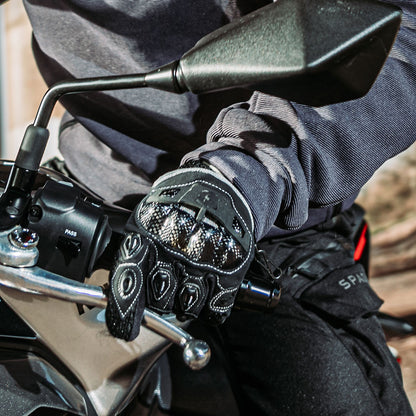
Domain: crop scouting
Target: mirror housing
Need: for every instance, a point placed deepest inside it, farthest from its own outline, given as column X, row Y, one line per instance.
column 312, row 52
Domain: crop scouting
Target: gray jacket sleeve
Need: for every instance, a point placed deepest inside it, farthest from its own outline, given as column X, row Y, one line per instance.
column 286, row 158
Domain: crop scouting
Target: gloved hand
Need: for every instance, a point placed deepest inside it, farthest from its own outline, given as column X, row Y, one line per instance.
column 187, row 247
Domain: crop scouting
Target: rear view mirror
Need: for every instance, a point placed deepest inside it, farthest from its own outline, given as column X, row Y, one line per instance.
column 314, row 52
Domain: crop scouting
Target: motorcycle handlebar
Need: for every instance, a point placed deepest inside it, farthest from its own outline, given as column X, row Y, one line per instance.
column 196, row 353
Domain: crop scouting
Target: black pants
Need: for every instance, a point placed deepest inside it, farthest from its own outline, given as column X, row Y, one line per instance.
column 322, row 352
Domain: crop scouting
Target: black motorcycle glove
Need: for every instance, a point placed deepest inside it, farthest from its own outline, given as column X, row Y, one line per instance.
column 187, row 247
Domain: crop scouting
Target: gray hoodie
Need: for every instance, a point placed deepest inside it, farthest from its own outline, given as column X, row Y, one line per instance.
column 296, row 165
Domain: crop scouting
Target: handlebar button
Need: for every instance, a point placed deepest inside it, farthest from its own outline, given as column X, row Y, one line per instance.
column 69, row 247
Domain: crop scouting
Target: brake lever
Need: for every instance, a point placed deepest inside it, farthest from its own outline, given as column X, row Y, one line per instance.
column 196, row 353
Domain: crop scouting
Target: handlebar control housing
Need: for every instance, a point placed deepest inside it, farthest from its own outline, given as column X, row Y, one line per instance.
column 75, row 236
column 72, row 226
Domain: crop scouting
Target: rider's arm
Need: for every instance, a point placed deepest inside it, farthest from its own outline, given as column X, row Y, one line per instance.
column 285, row 157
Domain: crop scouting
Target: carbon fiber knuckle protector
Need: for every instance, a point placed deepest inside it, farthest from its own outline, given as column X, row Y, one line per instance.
column 202, row 230
column 201, row 217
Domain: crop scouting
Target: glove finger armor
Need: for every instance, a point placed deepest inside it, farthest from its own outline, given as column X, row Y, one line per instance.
column 126, row 301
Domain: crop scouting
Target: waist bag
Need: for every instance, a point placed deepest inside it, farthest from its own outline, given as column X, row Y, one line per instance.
column 318, row 268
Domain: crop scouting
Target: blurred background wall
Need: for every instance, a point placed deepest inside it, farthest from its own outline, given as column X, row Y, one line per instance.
column 22, row 86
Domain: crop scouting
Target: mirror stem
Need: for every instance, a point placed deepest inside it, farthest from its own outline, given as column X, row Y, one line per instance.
column 83, row 85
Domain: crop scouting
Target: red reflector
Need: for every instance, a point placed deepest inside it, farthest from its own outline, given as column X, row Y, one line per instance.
column 361, row 244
